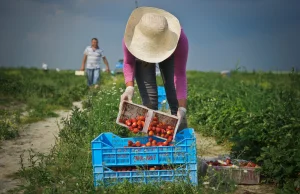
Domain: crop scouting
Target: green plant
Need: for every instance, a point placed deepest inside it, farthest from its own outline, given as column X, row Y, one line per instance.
column 257, row 113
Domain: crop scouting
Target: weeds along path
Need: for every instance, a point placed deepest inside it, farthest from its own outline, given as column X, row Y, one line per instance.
column 39, row 136
column 207, row 147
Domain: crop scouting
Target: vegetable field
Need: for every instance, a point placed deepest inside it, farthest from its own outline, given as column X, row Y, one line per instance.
column 30, row 95
column 257, row 114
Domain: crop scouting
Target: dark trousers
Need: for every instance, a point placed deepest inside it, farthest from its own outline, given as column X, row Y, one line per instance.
column 146, row 80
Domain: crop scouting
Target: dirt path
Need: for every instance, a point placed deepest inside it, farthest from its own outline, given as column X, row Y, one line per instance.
column 39, row 136
column 208, row 148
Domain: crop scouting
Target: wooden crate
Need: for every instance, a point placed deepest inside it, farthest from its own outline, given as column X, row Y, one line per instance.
column 241, row 175
column 130, row 110
column 166, row 118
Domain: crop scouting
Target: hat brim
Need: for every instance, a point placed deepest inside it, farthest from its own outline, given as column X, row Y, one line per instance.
column 139, row 48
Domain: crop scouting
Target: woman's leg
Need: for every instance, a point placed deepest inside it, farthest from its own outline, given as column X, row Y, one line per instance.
column 146, row 82
column 167, row 73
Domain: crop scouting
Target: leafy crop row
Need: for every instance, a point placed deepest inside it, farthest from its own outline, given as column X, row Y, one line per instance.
column 259, row 114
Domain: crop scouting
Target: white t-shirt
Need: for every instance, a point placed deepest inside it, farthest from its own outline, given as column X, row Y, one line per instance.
column 93, row 57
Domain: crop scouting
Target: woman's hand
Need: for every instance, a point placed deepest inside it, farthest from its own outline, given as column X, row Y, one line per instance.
column 128, row 94
column 181, row 113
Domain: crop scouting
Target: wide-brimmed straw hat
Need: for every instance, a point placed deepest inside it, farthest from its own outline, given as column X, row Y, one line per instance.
column 152, row 34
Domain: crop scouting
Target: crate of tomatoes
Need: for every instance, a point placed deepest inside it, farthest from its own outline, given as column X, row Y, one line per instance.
column 138, row 118
column 241, row 171
column 145, row 174
column 109, row 149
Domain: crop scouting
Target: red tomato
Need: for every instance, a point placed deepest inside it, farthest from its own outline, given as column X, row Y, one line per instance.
column 165, row 143
column 228, row 161
column 134, row 124
column 138, row 144
column 153, row 143
column 142, row 118
column 151, row 133
column 133, row 120
column 139, row 122
column 128, row 123
column 154, row 123
column 130, row 143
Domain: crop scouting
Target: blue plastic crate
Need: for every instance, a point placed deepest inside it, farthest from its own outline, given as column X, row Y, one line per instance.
column 107, row 176
column 161, row 91
column 108, row 150
column 161, row 97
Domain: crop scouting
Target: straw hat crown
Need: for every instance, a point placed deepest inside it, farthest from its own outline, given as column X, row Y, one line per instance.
column 152, row 34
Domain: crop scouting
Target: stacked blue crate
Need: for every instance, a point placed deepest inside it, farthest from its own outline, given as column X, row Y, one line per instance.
column 162, row 97
column 109, row 150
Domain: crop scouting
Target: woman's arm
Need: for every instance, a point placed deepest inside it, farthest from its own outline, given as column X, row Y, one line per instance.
column 129, row 66
column 180, row 60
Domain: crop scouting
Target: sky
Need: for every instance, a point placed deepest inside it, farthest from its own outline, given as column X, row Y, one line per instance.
column 255, row 34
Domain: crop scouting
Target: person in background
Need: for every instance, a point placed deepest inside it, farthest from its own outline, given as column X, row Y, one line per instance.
column 153, row 36
column 45, row 67
column 92, row 59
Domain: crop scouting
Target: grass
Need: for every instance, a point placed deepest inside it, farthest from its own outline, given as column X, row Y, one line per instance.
column 67, row 169
column 33, row 95
column 257, row 114
column 218, row 106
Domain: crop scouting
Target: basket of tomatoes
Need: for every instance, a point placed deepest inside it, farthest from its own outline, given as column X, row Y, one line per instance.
column 133, row 117
column 138, row 118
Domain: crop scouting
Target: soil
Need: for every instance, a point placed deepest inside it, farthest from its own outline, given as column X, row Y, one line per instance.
column 39, row 136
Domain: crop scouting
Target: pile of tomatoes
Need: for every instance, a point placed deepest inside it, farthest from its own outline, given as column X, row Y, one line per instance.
column 134, row 168
column 151, row 142
column 157, row 128
column 134, row 124
column 161, row 129
column 248, row 164
column 228, row 162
